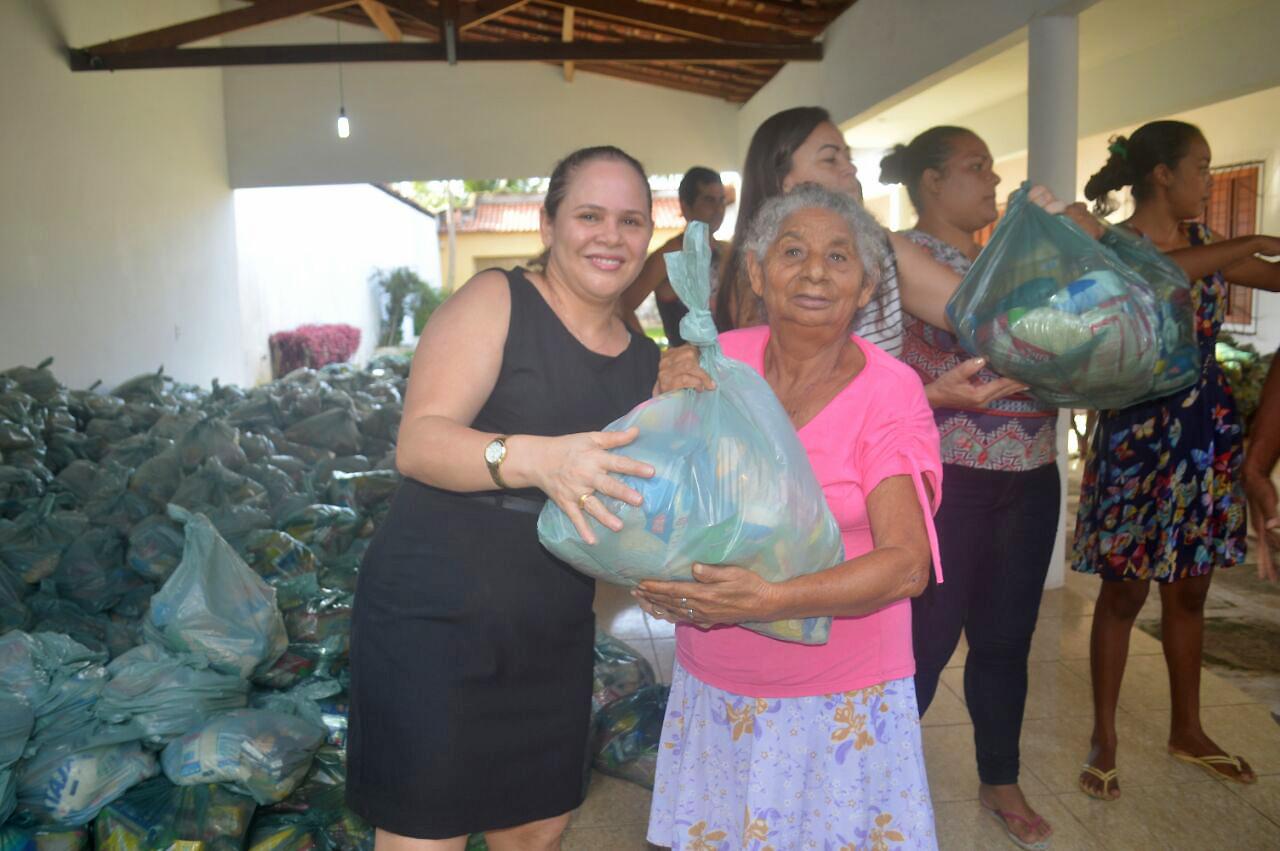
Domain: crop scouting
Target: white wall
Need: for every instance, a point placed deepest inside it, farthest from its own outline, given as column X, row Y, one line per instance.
column 882, row 51
column 413, row 121
column 116, row 224
column 306, row 254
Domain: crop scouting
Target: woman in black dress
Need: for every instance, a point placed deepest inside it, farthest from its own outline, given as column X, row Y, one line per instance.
column 471, row 645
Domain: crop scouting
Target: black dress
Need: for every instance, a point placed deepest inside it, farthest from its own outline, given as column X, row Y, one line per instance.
column 471, row 646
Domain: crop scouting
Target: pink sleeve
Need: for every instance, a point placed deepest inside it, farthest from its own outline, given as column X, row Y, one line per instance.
column 901, row 439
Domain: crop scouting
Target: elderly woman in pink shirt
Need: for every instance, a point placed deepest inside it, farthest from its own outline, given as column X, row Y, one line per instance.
column 773, row 744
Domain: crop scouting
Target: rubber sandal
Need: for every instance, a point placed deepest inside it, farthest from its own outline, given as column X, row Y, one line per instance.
column 1004, row 817
column 1210, row 763
column 1107, row 778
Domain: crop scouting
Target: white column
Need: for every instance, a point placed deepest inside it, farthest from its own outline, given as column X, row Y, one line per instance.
column 1053, row 89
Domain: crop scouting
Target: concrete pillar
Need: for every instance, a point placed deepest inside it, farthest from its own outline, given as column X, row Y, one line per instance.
column 1053, row 109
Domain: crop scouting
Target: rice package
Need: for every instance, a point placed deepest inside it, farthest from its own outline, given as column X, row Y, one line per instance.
column 70, row 784
column 732, row 483
column 1052, row 307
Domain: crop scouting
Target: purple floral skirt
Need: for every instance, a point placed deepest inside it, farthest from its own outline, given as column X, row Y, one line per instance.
column 831, row 772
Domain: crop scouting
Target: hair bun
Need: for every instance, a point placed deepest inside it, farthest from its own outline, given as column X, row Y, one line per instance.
column 893, row 166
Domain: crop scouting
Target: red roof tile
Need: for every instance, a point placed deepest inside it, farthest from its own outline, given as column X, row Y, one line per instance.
column 503, row 215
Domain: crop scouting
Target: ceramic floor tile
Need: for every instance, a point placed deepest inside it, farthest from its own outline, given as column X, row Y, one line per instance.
column 664, row 650
column 965, row 826
column 1061, row 638
column 1248, row 730
column 1146, row 685
column 1263, row 796
column 953, row 773
column 612, row 803
column 629, row 838
column 618, row 614
column 1175, row 816
column 1053, row 690
column 1064, row 602
column 960, row 654
column 945, row 709
column 1053, row 750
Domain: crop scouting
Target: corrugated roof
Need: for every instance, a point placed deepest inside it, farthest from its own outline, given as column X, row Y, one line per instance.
column 498, row 214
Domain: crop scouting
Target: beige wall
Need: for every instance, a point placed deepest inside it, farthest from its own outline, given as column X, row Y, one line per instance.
column 478, row 251
column 117, row 230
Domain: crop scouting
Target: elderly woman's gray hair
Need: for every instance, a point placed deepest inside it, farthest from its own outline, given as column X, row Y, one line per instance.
column 868, row 236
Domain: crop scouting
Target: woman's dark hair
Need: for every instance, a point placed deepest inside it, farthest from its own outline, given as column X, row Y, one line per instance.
column 693, row 180
column 563, row 173
column 906, row 164
column 1133, row 159
column 767, row 165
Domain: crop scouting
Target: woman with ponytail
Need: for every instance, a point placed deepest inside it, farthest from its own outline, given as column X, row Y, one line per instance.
column 1000, row 473
column 1161, row 498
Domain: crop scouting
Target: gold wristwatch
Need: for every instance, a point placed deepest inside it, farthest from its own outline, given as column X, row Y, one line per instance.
column 495, row 452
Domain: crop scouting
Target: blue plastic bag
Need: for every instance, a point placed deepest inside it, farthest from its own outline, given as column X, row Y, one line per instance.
column 1052, row 307
column 732, row 483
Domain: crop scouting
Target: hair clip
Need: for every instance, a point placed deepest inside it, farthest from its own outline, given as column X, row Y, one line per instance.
column 1117, row 147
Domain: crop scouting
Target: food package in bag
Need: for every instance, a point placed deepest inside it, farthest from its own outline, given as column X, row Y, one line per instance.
column 732, row 483
column 1050, row 306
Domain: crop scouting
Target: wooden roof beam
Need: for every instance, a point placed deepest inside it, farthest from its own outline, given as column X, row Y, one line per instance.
column 755, row 14
column 382, row 19
column 566, row 35
column 677, row 21
column 222, row 23
column 577, row 51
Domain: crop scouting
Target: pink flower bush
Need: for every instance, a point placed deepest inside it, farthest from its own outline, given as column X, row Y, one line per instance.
column 312, row 346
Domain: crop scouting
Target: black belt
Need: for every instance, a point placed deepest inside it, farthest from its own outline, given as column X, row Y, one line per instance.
column 508, row 501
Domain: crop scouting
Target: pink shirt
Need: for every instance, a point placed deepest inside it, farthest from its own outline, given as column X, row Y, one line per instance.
column 879, row 426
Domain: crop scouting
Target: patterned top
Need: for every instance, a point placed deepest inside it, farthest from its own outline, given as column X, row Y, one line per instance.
column 1013, row 434
column 878, row 426
column 880, row 322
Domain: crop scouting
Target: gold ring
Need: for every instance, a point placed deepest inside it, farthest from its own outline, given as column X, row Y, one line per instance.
column 582, row 500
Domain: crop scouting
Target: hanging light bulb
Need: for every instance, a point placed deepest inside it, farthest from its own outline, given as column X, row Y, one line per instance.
column 344, row 123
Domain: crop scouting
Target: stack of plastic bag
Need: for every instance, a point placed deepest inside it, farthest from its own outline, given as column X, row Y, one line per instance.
column 157, row 814
column 626, row 734
column 215, row 606
column 163, row 695
column 618, row 671
column 732, row 483
column 16, row 722
column 1050, row 306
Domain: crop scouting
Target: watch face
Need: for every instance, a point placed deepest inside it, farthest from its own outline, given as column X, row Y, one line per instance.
column 494, row 452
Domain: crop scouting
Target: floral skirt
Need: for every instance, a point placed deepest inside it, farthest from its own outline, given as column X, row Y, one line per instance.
column 834, row 772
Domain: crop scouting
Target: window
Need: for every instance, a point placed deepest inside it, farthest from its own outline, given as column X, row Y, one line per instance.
column 1233, row 208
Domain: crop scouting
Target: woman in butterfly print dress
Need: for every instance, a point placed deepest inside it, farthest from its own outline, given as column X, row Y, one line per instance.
column 1160, row 497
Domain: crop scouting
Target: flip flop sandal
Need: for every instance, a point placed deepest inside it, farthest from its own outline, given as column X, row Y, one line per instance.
column 1210, row 763
column 1004, row 817
column 1107, row 778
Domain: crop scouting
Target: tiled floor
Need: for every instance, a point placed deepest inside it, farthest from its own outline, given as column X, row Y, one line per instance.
column 1165, row 805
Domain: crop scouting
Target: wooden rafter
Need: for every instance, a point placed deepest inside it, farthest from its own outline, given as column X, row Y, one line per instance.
column 754, row 13
column 222, row 23
column 566, row 35
column 382, row 19
column 302, row 54
column 678, row 21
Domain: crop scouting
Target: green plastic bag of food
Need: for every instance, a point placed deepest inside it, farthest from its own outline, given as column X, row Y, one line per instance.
column 1052, row 307
column 258, row 752
column 732, row 483
column 626, row 735
column 157, row 814
column 618, row 671
column 69, row 784
column 215, row 606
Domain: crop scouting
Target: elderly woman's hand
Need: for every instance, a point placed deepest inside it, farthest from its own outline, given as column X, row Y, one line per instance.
column 679, row 370
column 719, row 594
column 959, row 387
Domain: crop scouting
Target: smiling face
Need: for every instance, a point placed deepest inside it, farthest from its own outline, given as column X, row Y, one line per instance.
column 600, row 235
column 811, row 275
column 708, row 205
column 824, row 159
column 1188, row 184
column 963, row 191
